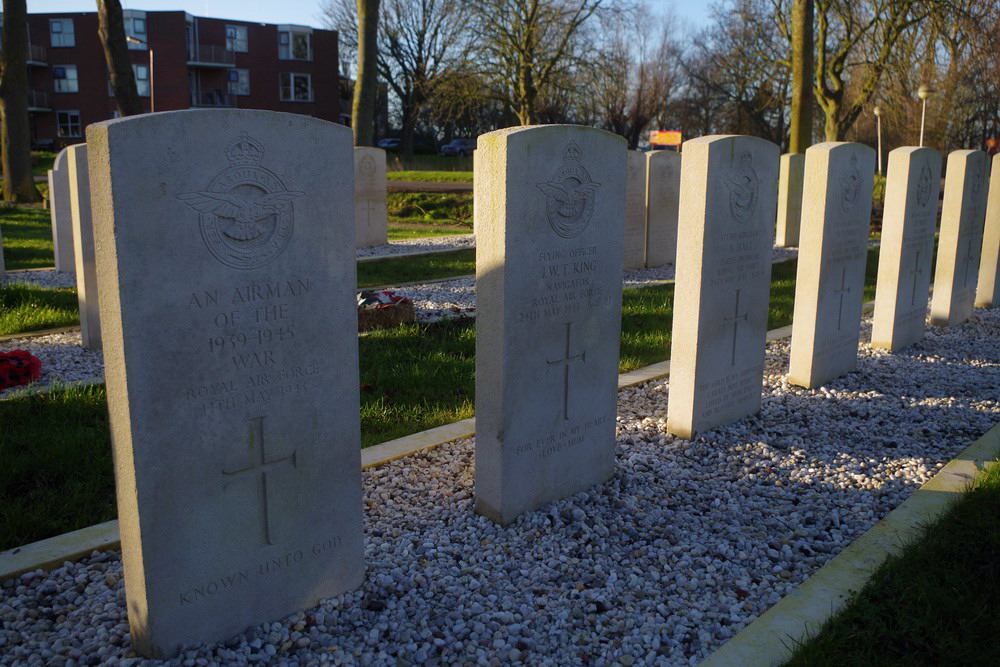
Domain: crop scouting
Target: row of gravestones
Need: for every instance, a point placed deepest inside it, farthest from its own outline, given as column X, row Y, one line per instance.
column 231, row 353
column 73, row 236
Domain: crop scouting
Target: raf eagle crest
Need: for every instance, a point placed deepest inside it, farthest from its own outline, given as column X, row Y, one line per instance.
column 246, row 211
column 569, row 195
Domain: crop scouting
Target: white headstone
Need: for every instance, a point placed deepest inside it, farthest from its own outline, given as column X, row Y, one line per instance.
column 913, row 184
column 370, row 196
column 729, row 187
column 663, row 178
column 548, row 290
column 961, row 238
column 59, row 212
column 83, row 247
column 635, row 210
column 791, row 177
column 988, row 291
column 226, row 266
column 833, row 255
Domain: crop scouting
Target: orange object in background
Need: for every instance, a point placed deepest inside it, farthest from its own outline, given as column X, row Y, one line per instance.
column 665, row 138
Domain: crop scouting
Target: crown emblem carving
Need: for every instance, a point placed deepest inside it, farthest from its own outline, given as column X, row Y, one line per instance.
column 245, row 152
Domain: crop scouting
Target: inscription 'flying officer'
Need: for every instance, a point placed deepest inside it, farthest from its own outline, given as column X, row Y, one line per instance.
column 245, row 213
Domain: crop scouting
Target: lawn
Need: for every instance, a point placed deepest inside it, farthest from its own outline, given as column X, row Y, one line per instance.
column 395, row 270
column 442, row 208
column 425, row 163
column 937, row 603
column 27, row 237
column 41, row 162
column 431, row 176
column 30, row 308
column 412, row 378
column 405, row 232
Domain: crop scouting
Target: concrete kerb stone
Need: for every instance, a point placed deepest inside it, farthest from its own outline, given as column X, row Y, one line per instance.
column 770, row 640
column 51, row 553
column 40, row 332
column 423, row 253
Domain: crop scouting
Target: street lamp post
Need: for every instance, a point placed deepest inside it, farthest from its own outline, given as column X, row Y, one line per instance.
column 923, row 93
column 878, row 130
column 129, row 38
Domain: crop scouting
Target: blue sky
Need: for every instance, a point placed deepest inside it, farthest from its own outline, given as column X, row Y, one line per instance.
column 304, row 12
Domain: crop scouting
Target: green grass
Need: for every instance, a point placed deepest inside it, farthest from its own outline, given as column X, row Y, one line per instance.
column 395, row 270
column 28, row 308
column 431, row 176
column 42, row 162
column 57, row 474
column 451, row 208
column 413, row 231
column 937, row 603
column 424, row 163
column 27, row 237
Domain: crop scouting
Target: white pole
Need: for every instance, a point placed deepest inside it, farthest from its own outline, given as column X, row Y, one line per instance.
column 923, row 116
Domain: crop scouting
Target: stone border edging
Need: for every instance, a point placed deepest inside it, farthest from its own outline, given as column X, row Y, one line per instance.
column 40, row 332
column 771, row 638
column 421, row 253
column 40, row 268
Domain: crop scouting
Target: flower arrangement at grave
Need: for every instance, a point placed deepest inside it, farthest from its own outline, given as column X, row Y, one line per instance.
column 383, row 309
column 18, row 367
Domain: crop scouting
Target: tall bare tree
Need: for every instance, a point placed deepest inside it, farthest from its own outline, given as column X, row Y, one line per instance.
column 526, row 46
column 111, row 29
column 18, row 182
column 363, row 106
column 803, row 51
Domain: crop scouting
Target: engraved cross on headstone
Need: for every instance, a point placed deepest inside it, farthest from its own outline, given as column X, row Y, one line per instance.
column 969, row 259
column 259, row 465
column 565, row 362
column 842, row 290
column 735, row 319
column 915, row 272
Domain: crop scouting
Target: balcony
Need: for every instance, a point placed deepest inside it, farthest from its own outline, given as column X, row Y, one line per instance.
column 38, row 100
column 37, row 55
column 200, row 55
column 216, row 99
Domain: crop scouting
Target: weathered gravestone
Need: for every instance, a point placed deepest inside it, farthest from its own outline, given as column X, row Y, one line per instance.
column 663, row 178
column 961, row 238
column 59, row 212
column 635, row 211
column 370, row 196
column 226, row 267
column 988, row 291
column 912, row 187
column 548, row 290
column 729, row 189
column 791, row 178
column 833, row 254
column 83, row 247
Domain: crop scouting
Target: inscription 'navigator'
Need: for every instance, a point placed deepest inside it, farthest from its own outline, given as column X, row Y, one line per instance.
column 246, row 211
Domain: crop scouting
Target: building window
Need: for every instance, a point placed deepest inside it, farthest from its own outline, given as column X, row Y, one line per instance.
column 65, row 79
column 236, row 38
column 61, row 32
column 135, row 27
column 68, row 123
column 141, row 79
column 296, row 87
column 239, row 81
column 294, row 45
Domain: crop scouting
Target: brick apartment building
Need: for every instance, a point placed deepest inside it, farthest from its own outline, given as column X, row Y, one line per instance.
column 196, row 63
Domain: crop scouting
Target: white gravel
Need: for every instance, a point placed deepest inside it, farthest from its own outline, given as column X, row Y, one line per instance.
column 411, row 246
column 48, row 278
column 63, row 360
column 684, row 546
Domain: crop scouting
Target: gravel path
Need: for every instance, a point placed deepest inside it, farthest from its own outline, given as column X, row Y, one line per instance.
column 410, row 246
column 684, row 546
column 63, row 360
column 49, row 278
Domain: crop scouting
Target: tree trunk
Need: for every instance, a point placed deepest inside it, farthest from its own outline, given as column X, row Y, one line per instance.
column 831, row 127
column 407, row 130
column 15, row 141
column 800, row 130
column 363, row 107
column 111, row 29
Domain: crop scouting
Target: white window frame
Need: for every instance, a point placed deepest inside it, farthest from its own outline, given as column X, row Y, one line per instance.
column 286, row 39
column 241, row 87
column 141, row 84
column 291, row 86
column 237, row 43
column 68, row 124
column 62, row 38
column 68, row 84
